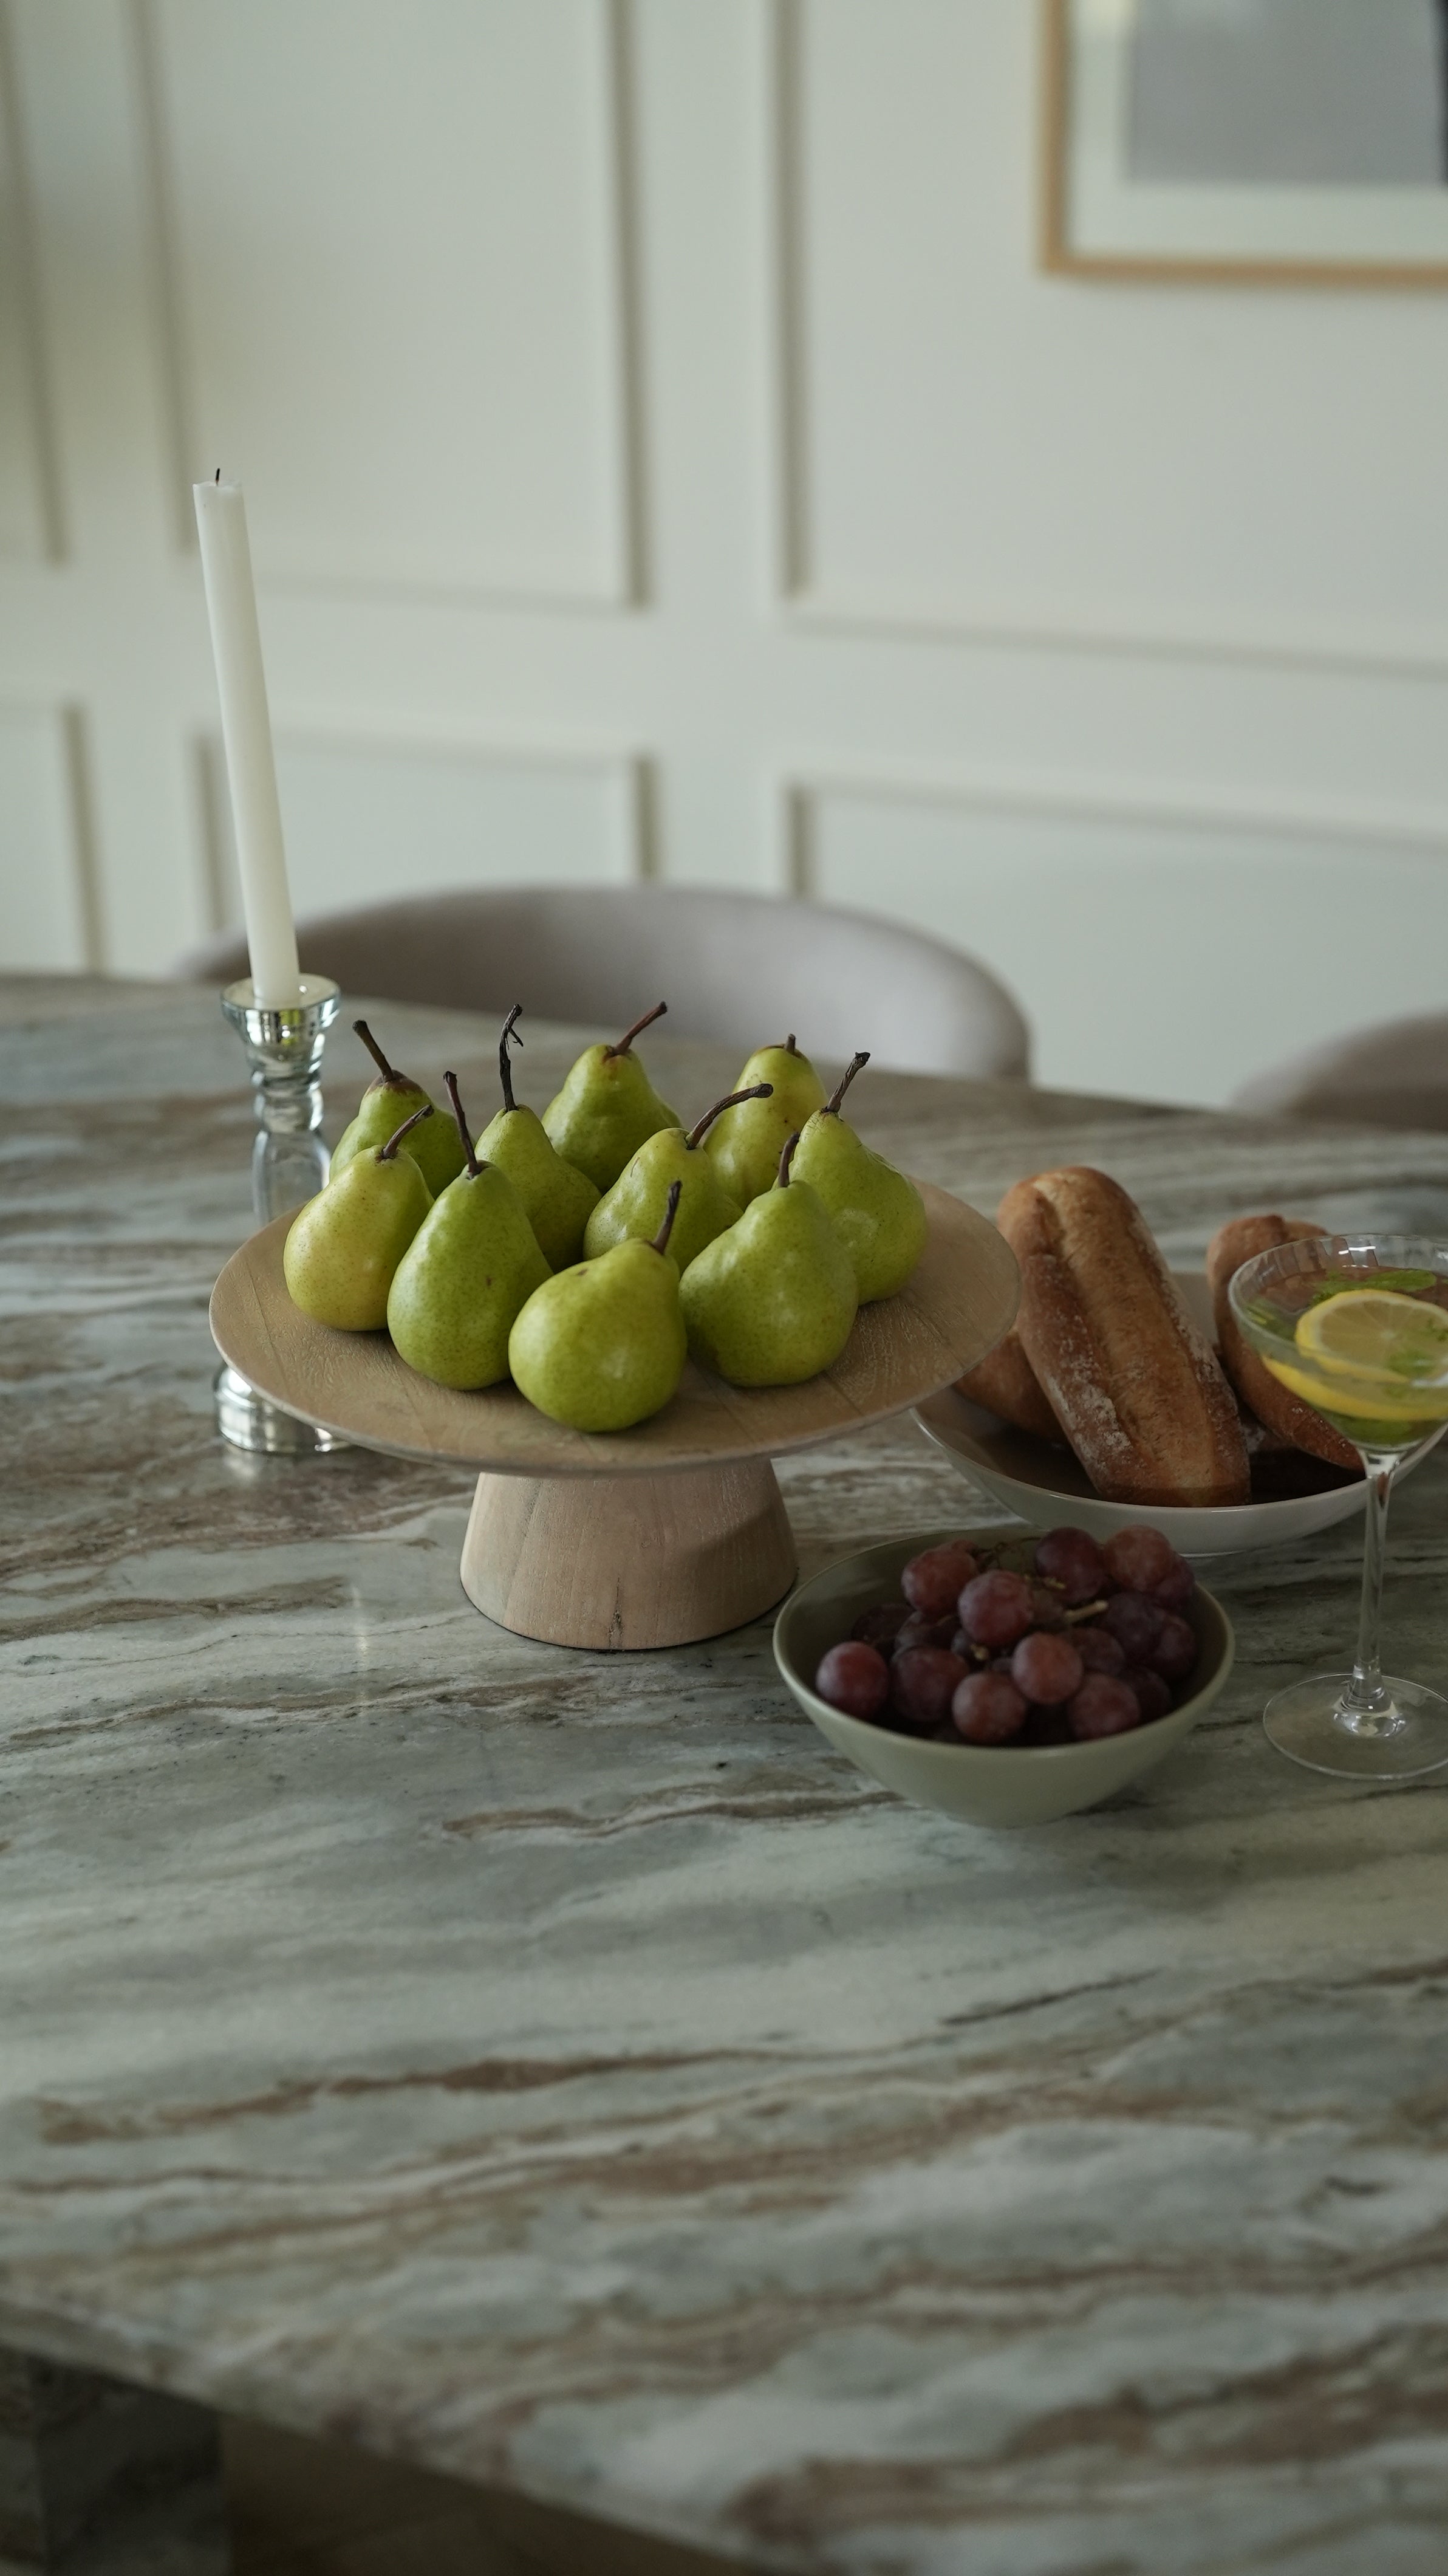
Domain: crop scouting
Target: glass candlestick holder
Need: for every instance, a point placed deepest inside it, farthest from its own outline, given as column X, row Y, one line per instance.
column 289, row 1164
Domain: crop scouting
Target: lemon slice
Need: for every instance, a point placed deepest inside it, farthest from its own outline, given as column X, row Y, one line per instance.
column 1375, row 1333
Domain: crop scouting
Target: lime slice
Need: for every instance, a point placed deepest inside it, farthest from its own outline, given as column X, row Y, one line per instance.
column 1375, row 1333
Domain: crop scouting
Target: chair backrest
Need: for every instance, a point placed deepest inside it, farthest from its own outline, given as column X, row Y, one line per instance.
column 738, row 968
column 1395, row 1075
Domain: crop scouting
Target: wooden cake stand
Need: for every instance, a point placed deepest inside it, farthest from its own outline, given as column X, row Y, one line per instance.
column 651, row 1537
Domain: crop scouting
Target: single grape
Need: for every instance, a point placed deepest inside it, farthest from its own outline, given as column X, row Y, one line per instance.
column 1138, row 1559
column 880, row 1626
column 1102, row 1706
column 997, row 1608
column 854, row 1677
column 1175, row 1589
column 1046, row 1670
column 917, row 1629
column 1175, row 1650
column 1135, row 1622
column 934, row 1580
column 987, row 1709
column 923, row 1682
column 1152, row 1695
column 1048, row 1608
column 1098, row 1650
column 1072, row 1558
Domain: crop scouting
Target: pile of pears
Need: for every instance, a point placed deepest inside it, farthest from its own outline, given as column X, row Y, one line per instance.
column 586, row 1253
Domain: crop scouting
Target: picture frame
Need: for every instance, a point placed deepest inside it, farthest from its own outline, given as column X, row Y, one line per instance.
column 1159, row 159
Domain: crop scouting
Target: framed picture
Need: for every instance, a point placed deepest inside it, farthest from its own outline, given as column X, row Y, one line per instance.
column 1303, row 141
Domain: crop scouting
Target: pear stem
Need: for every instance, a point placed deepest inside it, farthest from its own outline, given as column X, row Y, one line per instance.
column 626, row 1041
column 856, row 1065
column 661, row 1239
column 388, row 1072
column 504, row 1067
column 786, row 1158
column 756, row 1091
column 386, row 1152
column 474, row 1166
column 789, row 1045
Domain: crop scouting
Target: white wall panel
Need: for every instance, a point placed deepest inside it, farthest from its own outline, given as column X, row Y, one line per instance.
column 977, row 441
column 43, row 877
column 1124, row 608
column 367, row 823
column 393, row 242
column 1150, row 953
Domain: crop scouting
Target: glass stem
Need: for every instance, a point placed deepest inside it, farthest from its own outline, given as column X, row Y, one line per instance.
column 1365, row 1701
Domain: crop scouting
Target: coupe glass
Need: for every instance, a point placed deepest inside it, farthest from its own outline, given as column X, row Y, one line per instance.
column 1381, row 1379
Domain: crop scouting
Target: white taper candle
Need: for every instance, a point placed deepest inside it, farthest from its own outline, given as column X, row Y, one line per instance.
column 246, row 731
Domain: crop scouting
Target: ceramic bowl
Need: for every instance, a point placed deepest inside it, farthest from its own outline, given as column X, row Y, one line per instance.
column 1048, row 1485
column 982, row 1784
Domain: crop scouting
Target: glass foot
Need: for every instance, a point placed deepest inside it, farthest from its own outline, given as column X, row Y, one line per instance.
column 1308, row 1723
column 247, row 1421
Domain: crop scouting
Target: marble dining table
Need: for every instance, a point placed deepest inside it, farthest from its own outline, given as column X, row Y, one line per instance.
column 562, row 2071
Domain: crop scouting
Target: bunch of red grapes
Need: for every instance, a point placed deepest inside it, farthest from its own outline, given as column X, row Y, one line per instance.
column 1071, row 1643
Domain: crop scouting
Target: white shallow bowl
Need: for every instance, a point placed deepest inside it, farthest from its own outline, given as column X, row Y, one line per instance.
column 982, row 1784
column 1047, row 1484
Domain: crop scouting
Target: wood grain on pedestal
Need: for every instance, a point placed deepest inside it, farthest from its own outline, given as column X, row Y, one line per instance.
column 620, row 1561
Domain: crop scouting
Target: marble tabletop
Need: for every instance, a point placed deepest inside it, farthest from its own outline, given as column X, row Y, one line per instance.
column 562, row 2070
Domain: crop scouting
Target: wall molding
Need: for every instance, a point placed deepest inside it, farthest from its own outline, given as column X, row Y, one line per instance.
column 631, row 770
column 1135, row 804
column 620, row 222
column 18, row 214
column 806, row 605
column 64, row 720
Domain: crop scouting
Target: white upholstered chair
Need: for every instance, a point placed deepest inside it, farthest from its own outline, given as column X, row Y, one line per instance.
column 1395, row 1075
column 738, row 968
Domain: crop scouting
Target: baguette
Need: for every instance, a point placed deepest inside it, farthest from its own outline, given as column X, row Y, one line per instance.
column 1135, row 1386
column 1232, row 1244
column 1007, row 1385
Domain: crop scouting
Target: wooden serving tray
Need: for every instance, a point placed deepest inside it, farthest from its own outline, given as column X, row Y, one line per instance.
column 628, row 1537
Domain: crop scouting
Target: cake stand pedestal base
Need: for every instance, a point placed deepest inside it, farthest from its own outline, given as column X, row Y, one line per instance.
column 629, row 1561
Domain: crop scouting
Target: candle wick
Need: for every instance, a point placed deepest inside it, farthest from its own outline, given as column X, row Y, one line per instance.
column 218, row 474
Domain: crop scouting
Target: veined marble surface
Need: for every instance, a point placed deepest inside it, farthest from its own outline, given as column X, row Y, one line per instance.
column 563, row 2071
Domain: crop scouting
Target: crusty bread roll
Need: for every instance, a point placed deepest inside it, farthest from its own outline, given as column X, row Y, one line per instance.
column 1005, row 1383
column 1135, row 1386
column 1232, row 1244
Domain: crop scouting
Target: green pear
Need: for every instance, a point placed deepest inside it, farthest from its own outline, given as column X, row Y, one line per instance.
column 343, row 1247
column 473, row 1262
column 772, row 1301
column 435, row 1151
column 602, row 1345
column 559, row 1198
column 746, row 1146
column 637, row 1199
column 877, row 1213
column 606, row 1108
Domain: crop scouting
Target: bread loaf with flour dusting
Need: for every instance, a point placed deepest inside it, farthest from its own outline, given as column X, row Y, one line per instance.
column 1134, row 1384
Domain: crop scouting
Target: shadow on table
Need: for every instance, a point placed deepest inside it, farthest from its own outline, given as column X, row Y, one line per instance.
column 303, row 2508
